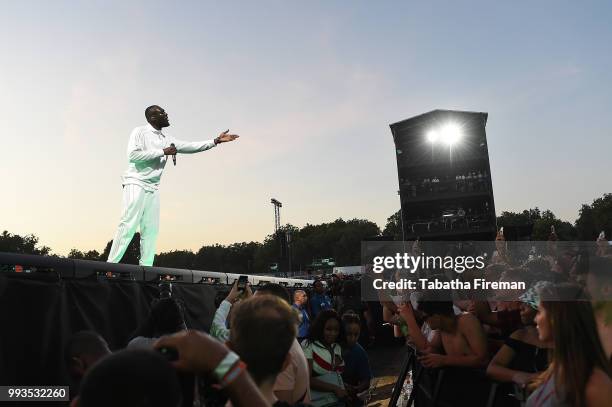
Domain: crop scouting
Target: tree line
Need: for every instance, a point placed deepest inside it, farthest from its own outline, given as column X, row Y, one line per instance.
column 339, row 239
column 592, row 219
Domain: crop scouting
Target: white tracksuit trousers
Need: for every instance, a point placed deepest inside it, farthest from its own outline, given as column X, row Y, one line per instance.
column 140, row 208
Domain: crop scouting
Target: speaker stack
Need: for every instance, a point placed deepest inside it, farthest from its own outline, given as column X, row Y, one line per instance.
column 444, row 176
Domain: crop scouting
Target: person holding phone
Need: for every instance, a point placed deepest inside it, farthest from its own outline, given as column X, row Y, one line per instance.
column 240, row 290
column 242, row 283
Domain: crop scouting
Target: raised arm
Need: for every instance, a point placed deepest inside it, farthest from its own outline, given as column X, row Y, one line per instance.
column 414, row 330
column 190, row 147
column 199, row 353
column 218, row 328
column 187, row 147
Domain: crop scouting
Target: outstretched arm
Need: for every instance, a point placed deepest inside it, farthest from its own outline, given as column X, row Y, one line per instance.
column 187, row 147
column 190, row 147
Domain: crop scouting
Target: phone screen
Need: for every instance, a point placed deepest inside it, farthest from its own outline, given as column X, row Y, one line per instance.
column 242, row 282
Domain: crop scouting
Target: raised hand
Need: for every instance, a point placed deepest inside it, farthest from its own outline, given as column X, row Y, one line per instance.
column 234, row 293
column 170, row 150
column 225, row 137
column 197, row 351
column 432, row 360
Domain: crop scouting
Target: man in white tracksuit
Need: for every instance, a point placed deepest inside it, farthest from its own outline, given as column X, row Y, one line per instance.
column 147, row 153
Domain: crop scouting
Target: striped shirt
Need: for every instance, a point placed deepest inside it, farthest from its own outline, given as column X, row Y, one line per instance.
column 321, row 356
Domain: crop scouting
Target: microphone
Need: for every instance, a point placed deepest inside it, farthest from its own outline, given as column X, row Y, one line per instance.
column 173, row 155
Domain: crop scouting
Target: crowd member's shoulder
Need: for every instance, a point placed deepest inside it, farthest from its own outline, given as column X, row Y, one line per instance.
column 308, row 347
column 519, row 334
column 468, row 319
column 598, row 391
column 280, row 403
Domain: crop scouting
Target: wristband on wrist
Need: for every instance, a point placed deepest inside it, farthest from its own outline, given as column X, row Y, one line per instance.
column 225, row 367
column 233, row 374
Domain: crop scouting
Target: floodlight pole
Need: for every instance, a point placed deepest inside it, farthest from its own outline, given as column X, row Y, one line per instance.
column 277, row 229
column 277, row 206
column 288, row 237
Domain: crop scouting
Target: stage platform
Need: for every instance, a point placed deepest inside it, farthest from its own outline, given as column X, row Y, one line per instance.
column 44, row 300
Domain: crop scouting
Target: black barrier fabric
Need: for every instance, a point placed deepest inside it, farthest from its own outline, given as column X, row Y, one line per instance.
column 38, row 314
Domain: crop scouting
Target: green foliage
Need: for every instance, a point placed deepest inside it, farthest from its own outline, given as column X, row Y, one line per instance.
column 591, row 221
column 527, row 217
column 541, row 222
column 235, row 258
column 542, row 227
column 394, row 226
column 339, row 239
column 21, row 244
column 90, row 255
column 182, row 259
column 595, row 218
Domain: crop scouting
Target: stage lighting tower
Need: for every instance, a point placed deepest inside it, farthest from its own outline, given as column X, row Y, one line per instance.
column 451, row 133
column 277, row 206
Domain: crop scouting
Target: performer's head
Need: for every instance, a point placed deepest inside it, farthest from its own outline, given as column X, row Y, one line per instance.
column 157, row 117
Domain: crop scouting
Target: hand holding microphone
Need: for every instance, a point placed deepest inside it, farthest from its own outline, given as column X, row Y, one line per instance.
column 171, row 151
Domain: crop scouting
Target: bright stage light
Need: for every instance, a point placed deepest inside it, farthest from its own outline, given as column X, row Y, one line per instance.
column 451, row 133
column 432, row 136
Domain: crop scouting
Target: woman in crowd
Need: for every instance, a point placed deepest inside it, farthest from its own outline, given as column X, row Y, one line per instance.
column 324, row 355
column 523, row 354
column 357, row 374
column 579, row 373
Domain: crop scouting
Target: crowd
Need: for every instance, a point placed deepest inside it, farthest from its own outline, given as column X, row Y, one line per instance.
column 549, row 346
column 266, row 347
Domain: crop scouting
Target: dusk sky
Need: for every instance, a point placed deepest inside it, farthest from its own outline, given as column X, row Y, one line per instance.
column 311, row 87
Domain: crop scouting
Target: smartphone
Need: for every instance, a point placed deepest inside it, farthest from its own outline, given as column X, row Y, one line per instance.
column 242, row 283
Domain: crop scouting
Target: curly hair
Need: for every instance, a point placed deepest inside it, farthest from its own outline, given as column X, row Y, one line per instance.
column 317, row 328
